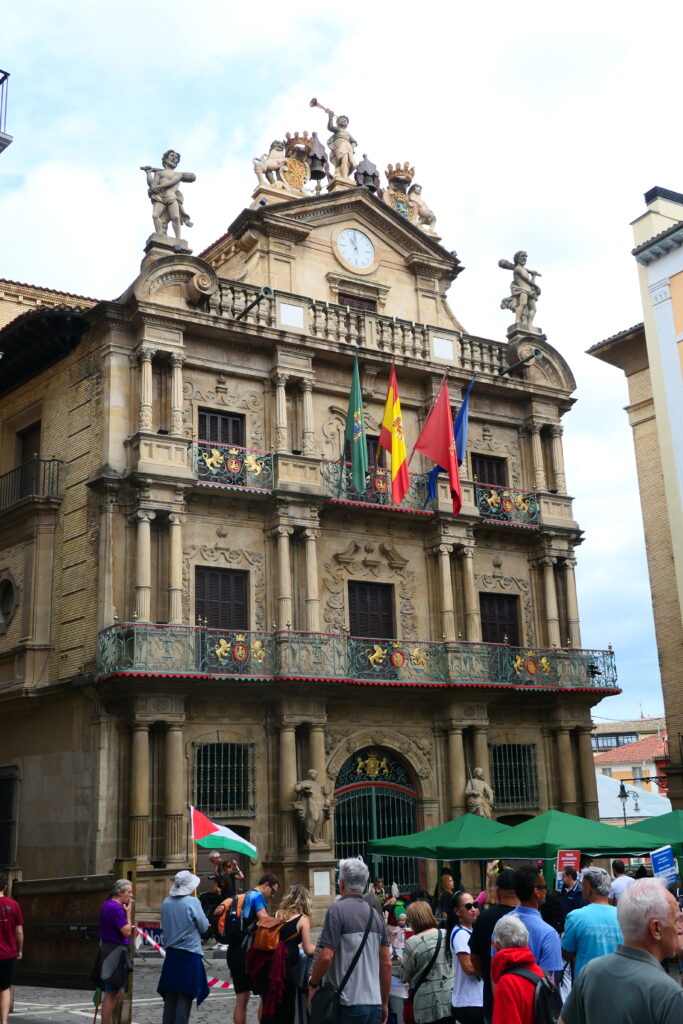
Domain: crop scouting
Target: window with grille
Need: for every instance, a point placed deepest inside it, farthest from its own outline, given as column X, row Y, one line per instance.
column 515, row 774
column 9, row 781
column 221, row 427
column 222, row 597
column 487, row 469
column 224, row 779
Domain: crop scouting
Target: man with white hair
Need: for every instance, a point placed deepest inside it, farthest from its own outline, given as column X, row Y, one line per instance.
column 592, row 930
column 365, row 995
column 630, row 986
column 513, row 996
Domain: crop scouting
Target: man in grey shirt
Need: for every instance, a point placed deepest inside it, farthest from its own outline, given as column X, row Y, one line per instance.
column 631, row 986
column 365, row 998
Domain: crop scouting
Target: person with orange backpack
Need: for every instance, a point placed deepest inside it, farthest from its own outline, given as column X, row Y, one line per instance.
column 239, row 916
column 273, row 960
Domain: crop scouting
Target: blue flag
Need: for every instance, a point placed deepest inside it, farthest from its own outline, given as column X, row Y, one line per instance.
column 460, row 438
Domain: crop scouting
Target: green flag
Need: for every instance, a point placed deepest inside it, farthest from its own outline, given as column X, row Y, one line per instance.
column 355, row 432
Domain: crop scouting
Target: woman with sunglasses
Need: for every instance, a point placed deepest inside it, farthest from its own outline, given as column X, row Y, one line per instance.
column 468, row 987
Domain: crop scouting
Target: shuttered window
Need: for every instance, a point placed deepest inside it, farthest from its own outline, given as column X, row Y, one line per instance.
column 221, row 428
column 9, row 782
column 486, row 469
column 375, row 458
column 221, row 597
column 371, row 609
column 499, row 619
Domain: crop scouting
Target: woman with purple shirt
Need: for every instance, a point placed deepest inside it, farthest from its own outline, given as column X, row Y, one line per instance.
column 113, row 960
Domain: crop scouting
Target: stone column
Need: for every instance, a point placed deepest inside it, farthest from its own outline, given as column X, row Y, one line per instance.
column 280, row 380
column 175, row 794
column 177, row 393
column 312, row 591
column 472, row 615
column 105, row 611
column 537, row 456
column 565, row 769
column 284, row 577
column 551, row 610
column 589, row 785
column 574, row 624
column 558, row 459
column 143, row 565
column 175, row 570
column 139, row 792
column 287, row 780
column 457, row 776
column 443, row 553
column 146, row 354
column 481, row 751
column 309, row 427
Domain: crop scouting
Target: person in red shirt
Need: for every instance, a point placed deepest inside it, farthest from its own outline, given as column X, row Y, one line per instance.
column 513, row 997
column 11, row 945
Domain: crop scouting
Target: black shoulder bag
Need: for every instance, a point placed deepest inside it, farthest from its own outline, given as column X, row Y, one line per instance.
column 327, row 999
column 408, row 1006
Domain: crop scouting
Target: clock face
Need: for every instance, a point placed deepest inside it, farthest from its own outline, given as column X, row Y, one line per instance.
column 356, row 248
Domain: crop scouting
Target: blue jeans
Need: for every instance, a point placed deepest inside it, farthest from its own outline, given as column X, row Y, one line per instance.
column 361, row 1013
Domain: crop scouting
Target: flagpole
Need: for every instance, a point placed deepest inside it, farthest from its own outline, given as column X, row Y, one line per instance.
column 434, row 401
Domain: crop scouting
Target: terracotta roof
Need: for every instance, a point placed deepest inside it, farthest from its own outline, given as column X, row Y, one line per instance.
column 650, row 724
column 646, row 749
column 43, row 288
column 615, row 337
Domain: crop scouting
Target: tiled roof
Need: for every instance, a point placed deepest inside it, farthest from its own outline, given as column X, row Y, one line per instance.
column 646, row 749
column 650, row 724
column 672, row 235
column 43, row 288
column 615, row 337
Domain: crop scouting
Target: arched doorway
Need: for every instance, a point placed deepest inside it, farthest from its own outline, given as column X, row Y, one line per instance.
column 375, row 797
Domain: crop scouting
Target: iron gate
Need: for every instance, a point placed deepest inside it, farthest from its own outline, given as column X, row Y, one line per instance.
column 376, row 797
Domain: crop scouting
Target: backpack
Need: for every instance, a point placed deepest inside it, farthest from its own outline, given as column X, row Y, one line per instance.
column 227, row 920
column 267, row 934
column 547, row 998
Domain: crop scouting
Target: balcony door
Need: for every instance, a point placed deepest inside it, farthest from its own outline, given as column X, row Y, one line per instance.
column 221, row 428
column 499, row 619
column 221, row 597
column 371, row 610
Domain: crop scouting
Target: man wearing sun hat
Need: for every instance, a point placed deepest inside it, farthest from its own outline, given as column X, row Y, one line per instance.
column 183, row 977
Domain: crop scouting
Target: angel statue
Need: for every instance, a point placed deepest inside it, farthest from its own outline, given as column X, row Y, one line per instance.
column 312, row 807
column 523, row 291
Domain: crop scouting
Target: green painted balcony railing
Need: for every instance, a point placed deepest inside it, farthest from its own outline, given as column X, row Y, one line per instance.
column 506, row 505
column 132, row 648
column 337, row 481
column 228, row 465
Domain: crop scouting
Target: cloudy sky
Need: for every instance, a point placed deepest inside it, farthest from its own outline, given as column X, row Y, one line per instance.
column 537, row 125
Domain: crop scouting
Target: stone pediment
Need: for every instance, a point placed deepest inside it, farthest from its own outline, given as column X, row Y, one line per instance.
column 294, row 220
column 177, row 280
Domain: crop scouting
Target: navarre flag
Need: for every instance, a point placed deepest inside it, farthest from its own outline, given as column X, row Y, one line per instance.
column 355, row 432
column 214, row 836
column 460, row 437
column 437, row 442
column 392, row 439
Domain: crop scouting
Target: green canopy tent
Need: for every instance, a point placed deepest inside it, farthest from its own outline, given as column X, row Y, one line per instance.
column 667, row 827
column 459, row 838
column 547, row 833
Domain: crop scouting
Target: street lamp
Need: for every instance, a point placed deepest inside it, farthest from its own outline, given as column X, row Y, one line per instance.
column 624, row 794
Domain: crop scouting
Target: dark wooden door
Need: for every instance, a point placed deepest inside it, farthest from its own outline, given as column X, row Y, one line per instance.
column 221, row 428
column 371, row 609
column 499, row 619
column 221, row 597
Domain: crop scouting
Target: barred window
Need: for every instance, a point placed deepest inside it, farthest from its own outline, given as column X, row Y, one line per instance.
column 224, row 779
column 515, row 774
column 9, row 781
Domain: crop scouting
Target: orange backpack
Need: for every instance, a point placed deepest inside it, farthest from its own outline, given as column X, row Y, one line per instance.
column 267, row 933
column 226, row 920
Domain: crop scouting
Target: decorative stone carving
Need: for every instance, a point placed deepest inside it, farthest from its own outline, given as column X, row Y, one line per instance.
column 397, row 196
column 506, row 583
column 341, row 145
column 267, row 165
column 312, row 807
column 370, row 562
column 166, row 197
column 487, row 443
column 389, row 739
column 231, row 398
column 523, row 291
column 426, row 219
column 479, row 795
column 216, row 553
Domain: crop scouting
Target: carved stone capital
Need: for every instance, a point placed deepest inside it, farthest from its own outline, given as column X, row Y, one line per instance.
column 143, row 515
column 305, row 384
column 279, row 378
column 556, row 430
column 282, row 531
column 570, row 562
column 177, row 359
column 175, row 519
column 311, row 535
column 146, row 353
column 466, row 552
column 441, row 549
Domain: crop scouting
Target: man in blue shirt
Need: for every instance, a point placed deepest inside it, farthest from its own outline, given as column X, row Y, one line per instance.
column 572, row 893
column 592, row 930
column 254, row 907
column 544, row 942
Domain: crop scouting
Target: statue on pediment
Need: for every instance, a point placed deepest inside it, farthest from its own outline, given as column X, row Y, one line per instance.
column 341, row 143
column 167, row 199
column 479, row 795
column 426, row 219
column 523, row 291
column 267, row 165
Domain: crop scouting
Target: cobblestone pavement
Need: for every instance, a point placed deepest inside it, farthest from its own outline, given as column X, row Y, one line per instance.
column 66, row 1006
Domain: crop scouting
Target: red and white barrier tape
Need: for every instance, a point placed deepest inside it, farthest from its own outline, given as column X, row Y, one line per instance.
column 212, row 982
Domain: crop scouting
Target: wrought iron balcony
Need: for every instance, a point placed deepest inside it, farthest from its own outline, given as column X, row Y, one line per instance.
column 202, row 651
column 337, row 481
column 506, row 505
column 228, row 465
column 37, row 478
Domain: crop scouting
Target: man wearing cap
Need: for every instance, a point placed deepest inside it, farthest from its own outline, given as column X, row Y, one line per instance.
column 183, row 977
column 480, row 939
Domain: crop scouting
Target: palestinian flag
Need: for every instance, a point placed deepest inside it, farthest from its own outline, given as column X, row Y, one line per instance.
column 210, row 834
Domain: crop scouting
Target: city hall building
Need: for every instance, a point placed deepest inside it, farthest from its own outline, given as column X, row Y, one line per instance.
column 198, row 607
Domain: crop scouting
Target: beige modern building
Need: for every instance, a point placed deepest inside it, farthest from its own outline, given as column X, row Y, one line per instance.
column 651, row 356
column 196, row 605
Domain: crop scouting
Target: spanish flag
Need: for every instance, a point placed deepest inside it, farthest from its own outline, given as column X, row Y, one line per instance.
column 392, row 439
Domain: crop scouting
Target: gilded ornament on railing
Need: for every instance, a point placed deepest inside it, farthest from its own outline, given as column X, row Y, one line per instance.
column 258, row 651
column 419, row 658
column 222, row 650
column 493, row 500
column 253, row 465
column 518, row 664
column 234, row 463
column 521, row 504
column 213, row 461
column 397, row 657
column 545, row 665
column 378, row 655
column 372, row 765
column 240, row 650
